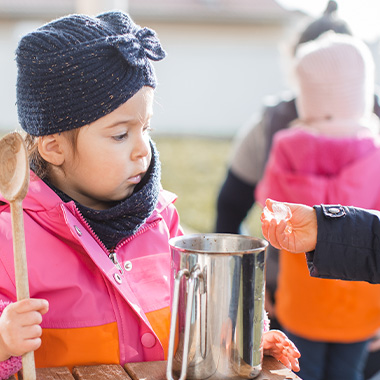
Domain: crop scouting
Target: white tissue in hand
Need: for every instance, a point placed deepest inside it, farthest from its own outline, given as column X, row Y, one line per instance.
column 280, row 212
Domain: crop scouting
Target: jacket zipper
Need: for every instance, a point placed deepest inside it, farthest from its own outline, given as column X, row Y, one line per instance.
column 94, row 235
column 113, row 257
column 138, row 233
column 112, row 253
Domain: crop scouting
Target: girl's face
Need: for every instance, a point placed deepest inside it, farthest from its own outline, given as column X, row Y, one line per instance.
column 112, row 155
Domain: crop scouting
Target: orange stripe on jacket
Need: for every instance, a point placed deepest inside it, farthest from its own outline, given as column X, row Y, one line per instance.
column 160, row 322
column 93, row 345
column 322, row 309
column 79, row 346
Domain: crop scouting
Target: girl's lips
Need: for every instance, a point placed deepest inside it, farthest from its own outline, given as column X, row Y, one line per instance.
column 135, row 179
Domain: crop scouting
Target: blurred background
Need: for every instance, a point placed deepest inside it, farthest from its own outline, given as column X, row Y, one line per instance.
column 224, row 58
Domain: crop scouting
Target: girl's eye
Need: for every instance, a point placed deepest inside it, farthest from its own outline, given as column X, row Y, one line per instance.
column 121, row 137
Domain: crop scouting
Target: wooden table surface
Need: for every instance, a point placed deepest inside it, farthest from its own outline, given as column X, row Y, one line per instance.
column 272, row 370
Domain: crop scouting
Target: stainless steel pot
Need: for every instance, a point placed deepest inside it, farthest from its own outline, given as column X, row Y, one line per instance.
column 218, row 283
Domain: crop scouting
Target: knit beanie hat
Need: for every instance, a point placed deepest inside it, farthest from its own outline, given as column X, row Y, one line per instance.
column 328, row 21
column 335, row 75
column 76, row 69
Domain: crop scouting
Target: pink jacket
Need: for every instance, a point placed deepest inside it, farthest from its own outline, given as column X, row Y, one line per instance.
column 92, row 302
column 308, row 168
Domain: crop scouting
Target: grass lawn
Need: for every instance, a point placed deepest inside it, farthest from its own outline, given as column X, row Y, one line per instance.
column 194, row 169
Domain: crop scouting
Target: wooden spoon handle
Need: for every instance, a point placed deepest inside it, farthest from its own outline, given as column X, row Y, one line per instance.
column 21, row 270
column 21, row 274
column 28, row 366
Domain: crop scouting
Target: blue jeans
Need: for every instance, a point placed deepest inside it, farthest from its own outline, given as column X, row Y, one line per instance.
column 330, row 361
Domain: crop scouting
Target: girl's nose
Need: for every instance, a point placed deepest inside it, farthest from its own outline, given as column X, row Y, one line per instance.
column 141, row 147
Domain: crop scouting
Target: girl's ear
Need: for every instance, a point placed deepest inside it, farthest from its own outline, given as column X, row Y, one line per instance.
column 51, row 149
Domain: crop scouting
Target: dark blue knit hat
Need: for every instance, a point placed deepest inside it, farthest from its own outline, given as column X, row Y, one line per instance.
column 76, row 69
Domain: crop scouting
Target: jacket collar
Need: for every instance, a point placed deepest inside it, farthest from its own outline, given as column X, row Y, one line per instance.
column 39, row 197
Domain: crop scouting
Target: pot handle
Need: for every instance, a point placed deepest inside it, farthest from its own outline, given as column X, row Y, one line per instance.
column 192, row 279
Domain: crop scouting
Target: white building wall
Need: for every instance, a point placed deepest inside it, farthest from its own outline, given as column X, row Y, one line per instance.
column 214, row 76
column 7, row 76
column 10, row 33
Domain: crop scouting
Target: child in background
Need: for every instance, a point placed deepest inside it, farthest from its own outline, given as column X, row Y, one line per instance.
column 97, row 221
column 252, row 145
column 330, row 155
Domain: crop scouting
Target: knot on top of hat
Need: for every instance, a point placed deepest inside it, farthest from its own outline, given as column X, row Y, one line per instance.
column 136, row 48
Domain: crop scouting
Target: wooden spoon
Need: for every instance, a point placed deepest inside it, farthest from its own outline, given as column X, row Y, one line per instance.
column 14, row 182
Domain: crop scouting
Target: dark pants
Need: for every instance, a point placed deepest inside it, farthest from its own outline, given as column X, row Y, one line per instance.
column 372, row 368
column 330, row 361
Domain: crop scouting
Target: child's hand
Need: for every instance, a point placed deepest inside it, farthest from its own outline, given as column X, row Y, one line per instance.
column 20, row 329
column 275, row 343
column 302, row 237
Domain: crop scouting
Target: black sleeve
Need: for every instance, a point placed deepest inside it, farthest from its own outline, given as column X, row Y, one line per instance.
column 348, row 244
column 235, row 199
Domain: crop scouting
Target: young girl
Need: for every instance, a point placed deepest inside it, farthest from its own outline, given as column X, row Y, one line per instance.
column 96, row 219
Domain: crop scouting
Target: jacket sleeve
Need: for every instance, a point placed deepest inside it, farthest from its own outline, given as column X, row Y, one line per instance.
column 248, row 154
column 13, row 364
column 348, row 244
column 234, row 201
